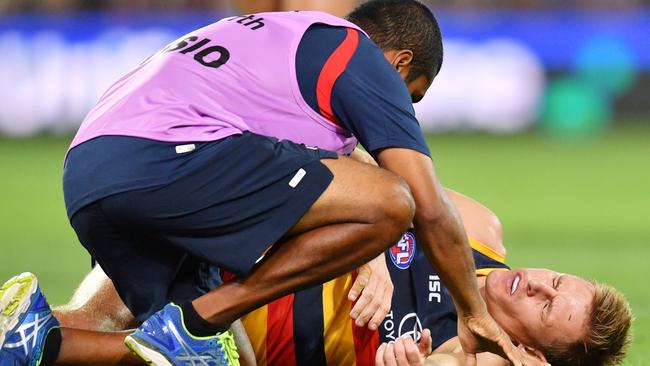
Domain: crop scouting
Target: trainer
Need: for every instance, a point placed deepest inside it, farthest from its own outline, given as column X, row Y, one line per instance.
column 230, row 145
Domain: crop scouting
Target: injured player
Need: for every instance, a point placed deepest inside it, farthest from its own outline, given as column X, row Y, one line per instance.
column 557, row 317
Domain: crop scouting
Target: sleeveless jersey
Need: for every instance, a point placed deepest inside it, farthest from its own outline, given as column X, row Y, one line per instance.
column 313, row 327
column 235, row 75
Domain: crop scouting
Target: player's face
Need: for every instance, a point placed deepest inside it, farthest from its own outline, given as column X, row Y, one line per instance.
column 538, row 306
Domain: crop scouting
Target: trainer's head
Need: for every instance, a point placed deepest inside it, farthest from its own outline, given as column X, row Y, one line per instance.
column 560, row 318
column 409, row 35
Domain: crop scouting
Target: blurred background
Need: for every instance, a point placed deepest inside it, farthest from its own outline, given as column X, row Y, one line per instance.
column 541, row 111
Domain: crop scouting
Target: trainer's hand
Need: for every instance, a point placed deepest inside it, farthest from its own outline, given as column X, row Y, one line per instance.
column 480, row 333
column 404, row 352
column 374, row 285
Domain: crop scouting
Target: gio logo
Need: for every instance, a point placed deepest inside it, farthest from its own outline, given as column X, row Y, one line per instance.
column 403, row 252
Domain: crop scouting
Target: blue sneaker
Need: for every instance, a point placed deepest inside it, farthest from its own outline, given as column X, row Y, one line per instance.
column 162, row 340
column 25, row 321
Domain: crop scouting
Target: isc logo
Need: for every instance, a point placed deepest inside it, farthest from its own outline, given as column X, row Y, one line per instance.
column 403, row 252
column 434, row 288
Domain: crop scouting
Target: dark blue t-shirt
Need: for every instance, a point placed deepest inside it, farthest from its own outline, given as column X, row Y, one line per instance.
column 369, row 99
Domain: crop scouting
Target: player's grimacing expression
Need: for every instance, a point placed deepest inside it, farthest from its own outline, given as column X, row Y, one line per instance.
column 539, row 306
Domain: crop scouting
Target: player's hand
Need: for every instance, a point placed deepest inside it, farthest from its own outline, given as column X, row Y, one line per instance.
column 373, row 291
column 404, row 352
column 480, row 333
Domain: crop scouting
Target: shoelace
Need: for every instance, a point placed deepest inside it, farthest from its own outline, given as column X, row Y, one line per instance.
column 230, row 349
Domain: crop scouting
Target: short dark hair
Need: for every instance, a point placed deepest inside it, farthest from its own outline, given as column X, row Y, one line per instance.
column 403, row 24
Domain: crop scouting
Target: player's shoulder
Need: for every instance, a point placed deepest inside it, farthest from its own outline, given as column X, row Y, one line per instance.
column 481, row 223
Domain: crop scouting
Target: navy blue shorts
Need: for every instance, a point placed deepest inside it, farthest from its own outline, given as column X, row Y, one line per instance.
column 242, row 195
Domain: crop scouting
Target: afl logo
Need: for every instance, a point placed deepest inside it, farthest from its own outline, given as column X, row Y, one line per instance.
column 403, row 252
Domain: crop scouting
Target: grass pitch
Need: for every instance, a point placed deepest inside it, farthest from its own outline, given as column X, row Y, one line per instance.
column 581, row 207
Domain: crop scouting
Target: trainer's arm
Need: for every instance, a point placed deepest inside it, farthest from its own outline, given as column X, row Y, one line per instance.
column 438, row 226
column 441, row 232
column 370, row 100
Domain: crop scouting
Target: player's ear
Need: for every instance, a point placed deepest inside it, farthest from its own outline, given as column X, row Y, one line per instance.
column 533, row 352
column 402, row 61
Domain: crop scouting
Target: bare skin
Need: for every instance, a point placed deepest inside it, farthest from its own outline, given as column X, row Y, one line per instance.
column 96, row 305
column 362, row 211
column 92, row 335
column 441, row 231
column 545, row 306
column 96, row 308
column 328, row 230
column 438, row 224
column 392, row 196
column 526, row 314
column 96, row 321
column 92, row 346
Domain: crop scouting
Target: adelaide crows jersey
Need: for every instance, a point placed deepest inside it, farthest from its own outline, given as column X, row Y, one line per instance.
column 313, row 327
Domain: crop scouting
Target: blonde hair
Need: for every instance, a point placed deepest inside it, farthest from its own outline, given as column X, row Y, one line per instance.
column 607, row 333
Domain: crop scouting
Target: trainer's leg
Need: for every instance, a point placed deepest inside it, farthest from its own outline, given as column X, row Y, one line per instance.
column 88, row 348
column 363, row 211
column 94, row 323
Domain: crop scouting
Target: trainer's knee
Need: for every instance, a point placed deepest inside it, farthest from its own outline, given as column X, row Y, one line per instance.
column 396, row 205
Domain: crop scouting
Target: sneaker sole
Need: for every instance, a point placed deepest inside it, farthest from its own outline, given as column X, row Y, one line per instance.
column 15, row 299
column 147, row 353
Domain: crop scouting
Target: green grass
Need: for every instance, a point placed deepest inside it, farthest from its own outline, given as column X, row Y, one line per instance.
column 581, row 207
